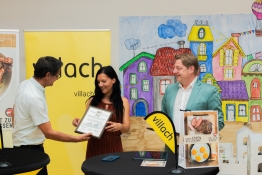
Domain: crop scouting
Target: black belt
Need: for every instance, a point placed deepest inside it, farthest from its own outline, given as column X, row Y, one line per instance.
column 29, row 146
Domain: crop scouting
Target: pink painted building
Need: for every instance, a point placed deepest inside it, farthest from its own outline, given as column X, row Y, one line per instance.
column 227, row 60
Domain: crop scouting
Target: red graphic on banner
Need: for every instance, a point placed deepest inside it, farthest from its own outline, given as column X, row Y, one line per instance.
column 8, row 112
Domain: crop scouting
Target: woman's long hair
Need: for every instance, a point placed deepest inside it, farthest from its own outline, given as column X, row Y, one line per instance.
column 115, row 97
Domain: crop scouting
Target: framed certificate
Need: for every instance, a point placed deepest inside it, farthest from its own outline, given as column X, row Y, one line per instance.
column 94, row 121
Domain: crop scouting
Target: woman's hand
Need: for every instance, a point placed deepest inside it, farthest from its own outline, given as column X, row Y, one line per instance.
column 113, row 127
column 76, row 122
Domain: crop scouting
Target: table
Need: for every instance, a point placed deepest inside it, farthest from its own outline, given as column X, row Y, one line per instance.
column 23, row 160
column 125, row 165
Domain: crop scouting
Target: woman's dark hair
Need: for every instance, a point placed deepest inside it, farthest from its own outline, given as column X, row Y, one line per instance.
column 115, row 97
column 47, row 64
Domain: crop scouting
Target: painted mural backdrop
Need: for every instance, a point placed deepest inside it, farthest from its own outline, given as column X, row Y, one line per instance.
column 228, row 47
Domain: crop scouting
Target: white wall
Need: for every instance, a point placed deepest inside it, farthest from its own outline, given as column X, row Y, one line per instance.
column 102, row 14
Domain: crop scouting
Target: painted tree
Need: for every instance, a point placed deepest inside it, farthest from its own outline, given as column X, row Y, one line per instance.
column 132, row 44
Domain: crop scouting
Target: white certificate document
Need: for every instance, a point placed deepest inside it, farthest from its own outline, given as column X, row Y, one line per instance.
column 94, row 121
column 153, row 163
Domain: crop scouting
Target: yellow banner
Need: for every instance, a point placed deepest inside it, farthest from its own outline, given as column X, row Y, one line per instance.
column 83, row 53
column 164, row 127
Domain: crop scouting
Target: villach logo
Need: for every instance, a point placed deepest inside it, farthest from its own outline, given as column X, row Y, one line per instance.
column 164, row 127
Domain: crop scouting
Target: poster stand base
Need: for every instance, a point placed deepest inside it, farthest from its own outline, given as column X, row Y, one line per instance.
column 177, row 170
column 5, row 164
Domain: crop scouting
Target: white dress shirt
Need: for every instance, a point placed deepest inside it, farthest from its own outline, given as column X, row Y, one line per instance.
column 181, row 102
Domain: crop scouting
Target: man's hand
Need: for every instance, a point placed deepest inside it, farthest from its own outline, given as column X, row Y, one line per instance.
column 49, row 133
column 84, row 137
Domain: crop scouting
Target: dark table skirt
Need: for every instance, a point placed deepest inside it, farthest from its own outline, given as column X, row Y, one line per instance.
column 22, row 160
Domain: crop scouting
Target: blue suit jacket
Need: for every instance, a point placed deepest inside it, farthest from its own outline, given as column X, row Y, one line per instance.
column 203, row 97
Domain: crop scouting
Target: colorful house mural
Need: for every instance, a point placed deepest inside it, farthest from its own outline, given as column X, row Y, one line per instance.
column 252, row 75
column 162, row 70
column 234, row 99
column 223, row 63
column 138, row 84
column 209, row 79
column 201, row 44
column 227, row 60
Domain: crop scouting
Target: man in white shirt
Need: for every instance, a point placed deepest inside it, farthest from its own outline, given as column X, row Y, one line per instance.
column 30, row 115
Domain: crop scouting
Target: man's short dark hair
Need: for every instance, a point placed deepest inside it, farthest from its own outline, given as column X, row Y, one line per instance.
column 189, row 60
column 46, row 64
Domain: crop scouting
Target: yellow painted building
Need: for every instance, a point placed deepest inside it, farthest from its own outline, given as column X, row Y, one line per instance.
column 239, row 115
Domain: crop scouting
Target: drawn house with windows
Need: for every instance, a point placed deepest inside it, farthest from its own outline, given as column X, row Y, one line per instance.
column 252, row 75
column 227, row 67
column 162, row 71
column 209, row 79
column 227, row 60
column 138, row 84
column 201, row 44
column 234, row 99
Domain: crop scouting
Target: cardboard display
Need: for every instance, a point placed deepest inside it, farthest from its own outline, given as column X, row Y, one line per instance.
column 199, row 139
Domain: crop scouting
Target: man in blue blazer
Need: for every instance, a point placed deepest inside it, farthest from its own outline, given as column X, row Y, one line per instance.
column 189, row 93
